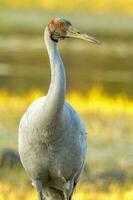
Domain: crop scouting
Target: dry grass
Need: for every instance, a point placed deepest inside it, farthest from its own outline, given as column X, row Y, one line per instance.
column 114, row 193
column 109, row 124
column 92, row 5
column 94, row 101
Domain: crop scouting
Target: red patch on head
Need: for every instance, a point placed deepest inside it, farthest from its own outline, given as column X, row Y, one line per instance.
column 53, row 23
column 57, row 25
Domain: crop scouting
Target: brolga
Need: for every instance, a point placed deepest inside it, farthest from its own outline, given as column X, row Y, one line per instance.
column 52, row 137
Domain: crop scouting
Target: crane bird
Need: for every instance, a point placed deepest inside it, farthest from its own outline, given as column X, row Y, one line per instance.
column 52, row 137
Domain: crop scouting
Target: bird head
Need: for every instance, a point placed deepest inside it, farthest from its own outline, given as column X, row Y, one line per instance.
column 60, row 28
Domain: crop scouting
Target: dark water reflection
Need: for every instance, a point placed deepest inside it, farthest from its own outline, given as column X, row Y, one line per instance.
column 24, row 65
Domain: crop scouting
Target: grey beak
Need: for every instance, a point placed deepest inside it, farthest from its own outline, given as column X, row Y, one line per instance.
column 74, row 33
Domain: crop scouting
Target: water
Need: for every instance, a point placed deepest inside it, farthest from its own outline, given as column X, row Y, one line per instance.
column 24, row 65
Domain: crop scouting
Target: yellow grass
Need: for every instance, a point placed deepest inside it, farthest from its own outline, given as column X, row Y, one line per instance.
column 82, row 193
column 125, row 6
column 92, row 101
column 95, row 102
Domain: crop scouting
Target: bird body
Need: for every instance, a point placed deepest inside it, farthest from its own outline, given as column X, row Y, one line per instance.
column 52, row 137
column 57, row 157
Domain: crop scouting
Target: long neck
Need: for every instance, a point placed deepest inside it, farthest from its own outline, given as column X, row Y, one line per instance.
column 56, row 93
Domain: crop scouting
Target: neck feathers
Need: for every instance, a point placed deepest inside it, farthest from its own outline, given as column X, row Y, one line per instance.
column 56, row 93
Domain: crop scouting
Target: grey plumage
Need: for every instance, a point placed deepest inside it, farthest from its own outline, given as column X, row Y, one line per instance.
column 52, row 137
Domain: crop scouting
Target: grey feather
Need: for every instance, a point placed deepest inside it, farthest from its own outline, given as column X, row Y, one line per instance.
column 52, row 137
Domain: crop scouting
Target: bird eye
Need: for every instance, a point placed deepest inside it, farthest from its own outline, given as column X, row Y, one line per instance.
column 61, row 24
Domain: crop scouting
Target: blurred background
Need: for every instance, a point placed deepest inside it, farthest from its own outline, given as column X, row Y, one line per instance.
column 99, row 86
